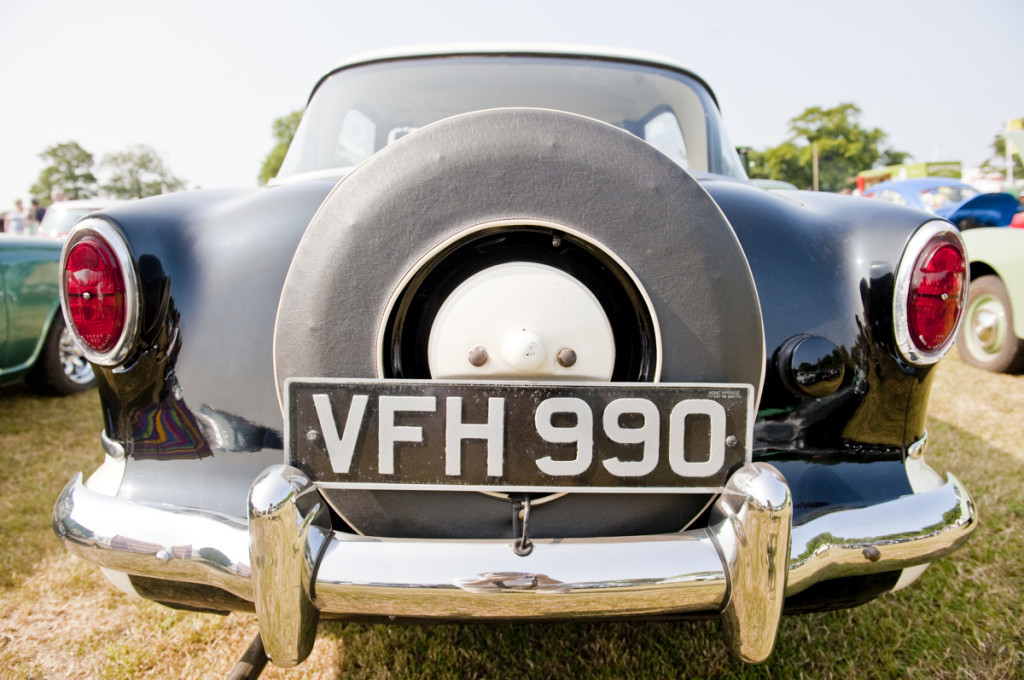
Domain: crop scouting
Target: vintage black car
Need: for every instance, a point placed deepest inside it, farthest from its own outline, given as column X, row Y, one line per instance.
column 512, row 337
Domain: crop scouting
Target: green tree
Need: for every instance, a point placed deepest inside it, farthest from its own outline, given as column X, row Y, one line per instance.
column 69, row 168
column 844, row 148
column 284, row 130
column 779, row 162
column 892, row 157
column 139, row 172
column 997, row 161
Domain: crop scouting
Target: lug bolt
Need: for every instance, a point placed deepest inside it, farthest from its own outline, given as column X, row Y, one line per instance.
column 566, row 357
column 478, row 356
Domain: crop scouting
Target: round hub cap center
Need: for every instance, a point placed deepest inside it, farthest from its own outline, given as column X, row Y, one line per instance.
column 524, row 350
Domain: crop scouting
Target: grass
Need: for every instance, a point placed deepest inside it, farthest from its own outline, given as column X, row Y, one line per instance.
column 963, row 619
column 43, row 441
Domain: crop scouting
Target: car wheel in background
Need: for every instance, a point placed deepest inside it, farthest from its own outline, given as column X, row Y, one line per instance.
column 986, row 336
column 61, row 367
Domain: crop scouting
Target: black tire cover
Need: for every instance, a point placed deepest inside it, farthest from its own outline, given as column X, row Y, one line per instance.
column 536, row 166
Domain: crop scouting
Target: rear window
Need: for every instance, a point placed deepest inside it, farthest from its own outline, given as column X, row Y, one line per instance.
column 357, row 111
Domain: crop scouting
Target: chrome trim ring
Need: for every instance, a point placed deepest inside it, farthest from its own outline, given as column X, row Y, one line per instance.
column 917, row 448
column 112, row 448
column 901, row 297
column 103, row 230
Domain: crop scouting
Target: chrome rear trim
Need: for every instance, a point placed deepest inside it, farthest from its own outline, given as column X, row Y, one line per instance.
column 289, row 526
column 733, row 567
column 751, row 524
column 901, row 533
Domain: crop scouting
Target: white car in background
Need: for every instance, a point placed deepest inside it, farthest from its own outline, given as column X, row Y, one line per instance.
column 61, row 216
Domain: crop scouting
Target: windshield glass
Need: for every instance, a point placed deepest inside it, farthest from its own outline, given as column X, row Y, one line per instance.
column 936, row 197
column 59, row 220
column 358, row 111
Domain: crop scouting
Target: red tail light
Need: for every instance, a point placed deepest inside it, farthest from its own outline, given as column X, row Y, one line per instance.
column 936, row 296
column 931, row 288
column 98, row 292
column 95, row 293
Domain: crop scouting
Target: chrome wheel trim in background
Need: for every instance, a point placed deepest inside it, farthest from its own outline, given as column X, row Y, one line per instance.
column 76, row 367
column 987, row 327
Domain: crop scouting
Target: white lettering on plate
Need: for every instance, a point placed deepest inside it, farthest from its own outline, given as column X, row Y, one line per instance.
column 340, row 449
column 493, row 432
column 389, row 433
column 341, row 446
column 677, row 431
column 582, row 434
column 647, row 435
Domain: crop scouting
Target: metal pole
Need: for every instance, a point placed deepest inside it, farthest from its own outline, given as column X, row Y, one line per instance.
column 814, row 166
column 252, row 663
column 1008, row 148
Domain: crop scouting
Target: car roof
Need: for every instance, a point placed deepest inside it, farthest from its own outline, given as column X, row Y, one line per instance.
column 79, row 203
column 519, row 49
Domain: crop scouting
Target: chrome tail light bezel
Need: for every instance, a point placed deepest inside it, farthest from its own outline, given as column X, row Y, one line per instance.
column 928, row 234
column 112, row 238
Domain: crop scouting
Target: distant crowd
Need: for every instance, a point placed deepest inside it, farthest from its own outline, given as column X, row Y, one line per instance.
column 24, row 220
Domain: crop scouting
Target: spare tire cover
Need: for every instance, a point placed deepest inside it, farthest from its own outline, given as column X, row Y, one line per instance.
column 538, row 167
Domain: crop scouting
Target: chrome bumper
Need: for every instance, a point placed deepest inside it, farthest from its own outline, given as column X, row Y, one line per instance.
column 743, row 565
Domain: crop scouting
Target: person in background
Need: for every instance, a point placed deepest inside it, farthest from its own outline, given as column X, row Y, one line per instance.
column 29, row 217
column 14, row 220
column 39, row 210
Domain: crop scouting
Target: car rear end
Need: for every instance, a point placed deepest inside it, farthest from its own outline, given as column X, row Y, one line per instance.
column 518, row 364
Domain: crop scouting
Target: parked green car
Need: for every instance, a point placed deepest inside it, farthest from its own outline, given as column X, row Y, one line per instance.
column 992, row 333
column 34, row 342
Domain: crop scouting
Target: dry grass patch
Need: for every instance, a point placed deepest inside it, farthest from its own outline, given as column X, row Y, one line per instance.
column 990, row 405
column 68, row 622
column 43, row 442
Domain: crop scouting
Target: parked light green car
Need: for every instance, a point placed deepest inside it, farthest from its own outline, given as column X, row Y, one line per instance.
column 992, row 333
column 34, row 342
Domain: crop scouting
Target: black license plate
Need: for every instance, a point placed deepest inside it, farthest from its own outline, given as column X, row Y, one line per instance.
column 596, row 437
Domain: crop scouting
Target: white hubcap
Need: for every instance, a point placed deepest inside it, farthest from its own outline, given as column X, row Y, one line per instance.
column 521, row 320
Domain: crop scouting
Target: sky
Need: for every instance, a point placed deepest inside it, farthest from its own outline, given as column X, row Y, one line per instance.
column 201, row 81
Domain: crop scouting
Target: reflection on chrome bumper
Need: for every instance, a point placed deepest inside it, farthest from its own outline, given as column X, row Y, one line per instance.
column 742, row 566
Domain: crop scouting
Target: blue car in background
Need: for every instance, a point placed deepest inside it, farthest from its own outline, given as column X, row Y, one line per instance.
column 952, row 199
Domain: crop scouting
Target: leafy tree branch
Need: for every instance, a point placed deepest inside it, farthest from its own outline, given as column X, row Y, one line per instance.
column 844, row 148
column 283, row 130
